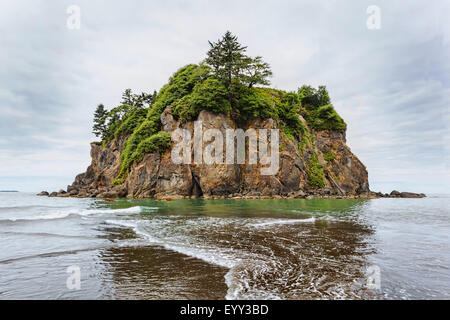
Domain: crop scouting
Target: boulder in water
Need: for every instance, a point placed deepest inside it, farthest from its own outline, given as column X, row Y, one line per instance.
column 412, row 195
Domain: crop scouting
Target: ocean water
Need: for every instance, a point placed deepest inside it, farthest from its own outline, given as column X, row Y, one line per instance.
column 216, row 249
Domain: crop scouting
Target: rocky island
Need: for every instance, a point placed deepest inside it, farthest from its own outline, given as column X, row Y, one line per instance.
column 228, row 90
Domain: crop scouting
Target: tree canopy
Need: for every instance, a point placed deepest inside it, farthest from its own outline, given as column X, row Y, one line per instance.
column 100, row 127
column 121, row 120
column 143, row 100
column 232, row 66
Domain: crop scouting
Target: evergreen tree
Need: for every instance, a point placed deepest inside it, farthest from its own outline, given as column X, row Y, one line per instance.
column 143, row 100
column 100, row 127
column 127, row 97
column 323, row 96
column 256, row 71
column 312, row 98
column 232, row 67
column 227, row 58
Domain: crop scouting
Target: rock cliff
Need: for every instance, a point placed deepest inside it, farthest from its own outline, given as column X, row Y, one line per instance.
column 317, row 162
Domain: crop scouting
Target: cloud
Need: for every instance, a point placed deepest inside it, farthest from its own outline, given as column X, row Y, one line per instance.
column 390, row 85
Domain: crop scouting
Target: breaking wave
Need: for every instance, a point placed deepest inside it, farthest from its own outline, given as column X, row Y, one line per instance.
column 269, row 259
column 60, row 214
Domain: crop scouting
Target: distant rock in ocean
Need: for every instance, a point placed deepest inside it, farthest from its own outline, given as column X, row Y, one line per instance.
column 397, row 194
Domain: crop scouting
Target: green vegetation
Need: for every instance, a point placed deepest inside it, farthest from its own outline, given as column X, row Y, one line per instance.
column 157, row 142
column 160, row 142
column 233, row 68
column 316, row 177
column 289, row 115
column 225, row 82
column 209, row 94
column 329, row 157
column 326, row 118
column 312, row 98
column 138, row 100
column 130, row 122
column 318, row 110
column 123, row 119
column 99, row 128
column 180, row 87
column 256, row 103
column 306, row 140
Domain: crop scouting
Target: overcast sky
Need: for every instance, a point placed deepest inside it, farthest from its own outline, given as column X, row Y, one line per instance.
column 391, row 85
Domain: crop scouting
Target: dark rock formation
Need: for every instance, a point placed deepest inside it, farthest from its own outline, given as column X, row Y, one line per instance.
column 397, row 194
column 412, row 195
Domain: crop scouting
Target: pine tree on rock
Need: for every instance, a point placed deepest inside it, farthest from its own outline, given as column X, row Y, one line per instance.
column 256, row 71
column 100, row 127
column 127, row 97
column 233, row 68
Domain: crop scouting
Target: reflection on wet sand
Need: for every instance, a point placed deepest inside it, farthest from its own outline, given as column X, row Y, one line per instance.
column 156, row 273
column 241, row 250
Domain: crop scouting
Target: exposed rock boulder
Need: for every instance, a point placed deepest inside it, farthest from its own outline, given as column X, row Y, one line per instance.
column 395, row 194
column 167, row 121
column 43, row 193
column 412, row 195
column 73, row 192
column 116, row 192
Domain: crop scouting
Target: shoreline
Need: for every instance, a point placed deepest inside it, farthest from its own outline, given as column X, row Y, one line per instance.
column 373, row 195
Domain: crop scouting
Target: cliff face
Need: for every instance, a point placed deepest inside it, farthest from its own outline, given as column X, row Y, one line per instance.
column 318, row 163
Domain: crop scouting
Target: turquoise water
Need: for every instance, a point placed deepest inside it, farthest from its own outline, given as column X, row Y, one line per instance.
column 216, row 249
